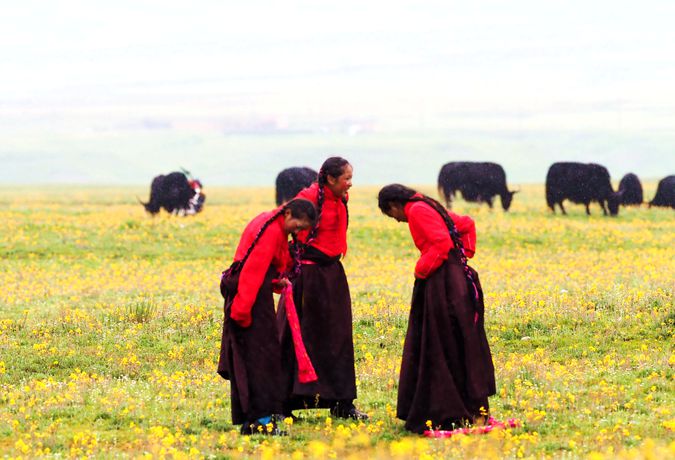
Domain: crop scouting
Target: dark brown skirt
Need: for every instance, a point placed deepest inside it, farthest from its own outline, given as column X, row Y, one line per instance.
column 324, row 306
column 250, row 358
column 446, row 370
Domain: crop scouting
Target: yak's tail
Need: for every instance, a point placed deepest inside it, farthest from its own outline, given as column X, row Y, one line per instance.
column 444, row 193
column 148, row 206
column 550, row 200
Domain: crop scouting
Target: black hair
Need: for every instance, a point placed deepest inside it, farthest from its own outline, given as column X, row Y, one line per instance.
column 300, row 209
column 334, row 167
column 400, row 194
column 394, row 193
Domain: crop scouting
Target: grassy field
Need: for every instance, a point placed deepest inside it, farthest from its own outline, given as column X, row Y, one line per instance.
column 110, row 325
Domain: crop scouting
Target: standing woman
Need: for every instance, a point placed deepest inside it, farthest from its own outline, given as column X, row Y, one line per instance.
column 446, row 370
column 322, row 299
column 250, row 354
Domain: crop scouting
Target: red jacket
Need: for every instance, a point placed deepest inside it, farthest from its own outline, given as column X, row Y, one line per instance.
column 432, row 238
column 271, row 249
column 331, row 237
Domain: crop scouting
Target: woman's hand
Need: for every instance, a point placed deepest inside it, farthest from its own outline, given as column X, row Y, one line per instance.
column 279, row 284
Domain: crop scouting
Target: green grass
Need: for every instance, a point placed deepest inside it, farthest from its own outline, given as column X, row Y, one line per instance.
column 110, row 326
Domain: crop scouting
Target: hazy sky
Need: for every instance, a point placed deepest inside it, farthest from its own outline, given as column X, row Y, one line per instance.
column 83, row 80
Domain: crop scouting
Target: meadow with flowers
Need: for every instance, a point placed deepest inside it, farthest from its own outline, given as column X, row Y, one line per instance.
column 110, row 324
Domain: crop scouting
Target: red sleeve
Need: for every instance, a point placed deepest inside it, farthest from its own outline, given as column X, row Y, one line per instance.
column 467, row 232
column 347, row 224
column 284, row 263
column 426, row 224
column 310, row 194
column 285, row 260
column 252, row 276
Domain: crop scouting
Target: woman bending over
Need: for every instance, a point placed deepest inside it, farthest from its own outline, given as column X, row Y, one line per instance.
column 446, row 369
column 250, row 353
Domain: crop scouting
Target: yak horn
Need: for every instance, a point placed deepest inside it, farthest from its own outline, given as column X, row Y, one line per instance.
column 186, row 172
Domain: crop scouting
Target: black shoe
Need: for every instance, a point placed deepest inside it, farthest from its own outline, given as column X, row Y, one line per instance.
column 271, row 429
column 348, row 412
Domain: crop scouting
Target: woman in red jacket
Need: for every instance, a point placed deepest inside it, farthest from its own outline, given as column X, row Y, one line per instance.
column 323, row 302
column 250, row 354
column 446, row 370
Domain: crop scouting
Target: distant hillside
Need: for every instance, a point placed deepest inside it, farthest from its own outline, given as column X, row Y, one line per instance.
column 135, row 155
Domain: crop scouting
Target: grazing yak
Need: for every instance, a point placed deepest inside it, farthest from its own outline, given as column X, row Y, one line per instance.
column 291, row 180
column 665, row 193
column 581, row 183
column 478, row 182
column 177, row 192
column 632, row 190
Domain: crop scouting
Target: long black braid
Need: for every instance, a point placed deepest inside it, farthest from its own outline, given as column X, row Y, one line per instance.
column 300, row 208
column 334, row 167
column 397, row 193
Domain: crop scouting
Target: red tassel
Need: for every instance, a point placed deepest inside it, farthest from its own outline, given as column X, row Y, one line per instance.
column 306, row 373
column 491, row 425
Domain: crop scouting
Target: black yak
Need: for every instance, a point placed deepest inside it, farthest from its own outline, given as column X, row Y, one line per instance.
column 665, row 193
column 177, row 193
column 291, row 180
column 478, row 182
column 631, row 188
column 581, row 183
